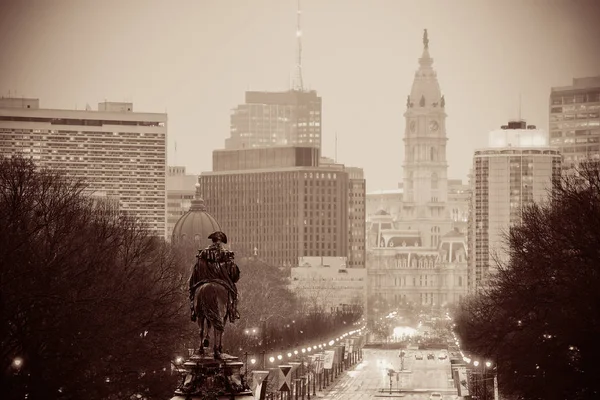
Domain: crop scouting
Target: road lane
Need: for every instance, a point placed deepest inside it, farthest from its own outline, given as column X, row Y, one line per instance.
column 367, row 379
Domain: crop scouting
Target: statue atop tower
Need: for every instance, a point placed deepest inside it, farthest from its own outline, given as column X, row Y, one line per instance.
column 425, row 39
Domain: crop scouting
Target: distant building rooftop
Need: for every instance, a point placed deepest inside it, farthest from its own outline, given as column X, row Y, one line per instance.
column 385, row 191
column 580, row 83
column 518, row 134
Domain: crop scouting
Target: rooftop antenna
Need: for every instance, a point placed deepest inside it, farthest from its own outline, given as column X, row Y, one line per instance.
column 335, row 151
column 175, row 155
column 298, row 83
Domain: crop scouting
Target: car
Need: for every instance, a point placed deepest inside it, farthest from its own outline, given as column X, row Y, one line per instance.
column 418, row 356
column 435, row 396
column 430, row 356
column 442, row 356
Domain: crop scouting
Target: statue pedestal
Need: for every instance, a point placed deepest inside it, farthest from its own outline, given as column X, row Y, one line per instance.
column 207, row 378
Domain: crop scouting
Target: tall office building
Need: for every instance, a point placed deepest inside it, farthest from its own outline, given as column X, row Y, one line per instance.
column 357, row 218
column 118, row 152
column 356, row 212
column 417, row 256
column 181, row 189
column 267, row 119
column 279, row 203
column 518, row 168
column 575, row 120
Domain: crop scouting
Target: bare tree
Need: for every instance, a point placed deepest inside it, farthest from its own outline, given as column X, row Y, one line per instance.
column 540, row 318
column 90, row 302
column 315, row 293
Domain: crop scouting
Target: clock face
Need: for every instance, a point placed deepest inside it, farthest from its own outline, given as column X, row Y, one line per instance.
column 413, row 126
column 433, row 126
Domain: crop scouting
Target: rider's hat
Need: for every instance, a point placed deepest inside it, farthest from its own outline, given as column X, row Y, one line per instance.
column 218, row 235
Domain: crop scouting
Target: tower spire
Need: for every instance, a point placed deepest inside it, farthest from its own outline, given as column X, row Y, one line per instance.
column 298, row 83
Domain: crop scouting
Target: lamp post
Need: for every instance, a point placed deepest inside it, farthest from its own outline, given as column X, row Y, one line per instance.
column 476, row 383
column 480, row 375
column 485, row 367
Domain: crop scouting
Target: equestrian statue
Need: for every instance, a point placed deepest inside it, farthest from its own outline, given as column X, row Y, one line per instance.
column 213, row 293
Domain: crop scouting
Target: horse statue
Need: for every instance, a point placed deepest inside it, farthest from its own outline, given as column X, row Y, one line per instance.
column 214, row 293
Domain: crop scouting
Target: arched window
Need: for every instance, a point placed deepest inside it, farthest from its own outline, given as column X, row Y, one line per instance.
column 434, row 181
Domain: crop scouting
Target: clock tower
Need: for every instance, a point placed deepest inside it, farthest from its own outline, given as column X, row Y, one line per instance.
column 425, row 166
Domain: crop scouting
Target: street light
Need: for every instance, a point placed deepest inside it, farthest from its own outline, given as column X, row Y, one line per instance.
column 17, row 362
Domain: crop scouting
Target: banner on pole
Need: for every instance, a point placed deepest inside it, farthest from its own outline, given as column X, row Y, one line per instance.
column 285, row 378
column 328, row 359
column 463, row 382
column 259, row 386
column 295, row 365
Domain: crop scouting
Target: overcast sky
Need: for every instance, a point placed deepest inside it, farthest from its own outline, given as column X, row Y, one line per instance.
column 195, row 59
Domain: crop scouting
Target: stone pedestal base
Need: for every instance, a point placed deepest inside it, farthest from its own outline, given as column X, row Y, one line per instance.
column 207, row 378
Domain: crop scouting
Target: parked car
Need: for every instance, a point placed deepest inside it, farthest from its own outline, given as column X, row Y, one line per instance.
column 430, row 356
column 442, row 356
column 418, row 356
column 435, row 396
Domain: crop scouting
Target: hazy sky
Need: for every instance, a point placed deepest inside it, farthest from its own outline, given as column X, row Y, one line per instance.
column 195, row 59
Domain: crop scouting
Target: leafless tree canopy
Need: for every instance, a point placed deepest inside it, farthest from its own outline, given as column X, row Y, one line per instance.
column 89, row 301
column 540, row 319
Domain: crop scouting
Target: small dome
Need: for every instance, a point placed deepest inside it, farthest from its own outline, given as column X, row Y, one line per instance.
column 195, row 225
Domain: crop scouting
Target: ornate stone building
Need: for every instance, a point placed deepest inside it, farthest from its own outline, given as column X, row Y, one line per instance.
column 417, row 256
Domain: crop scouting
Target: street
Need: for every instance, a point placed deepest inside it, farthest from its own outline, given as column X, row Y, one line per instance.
column 370, row 378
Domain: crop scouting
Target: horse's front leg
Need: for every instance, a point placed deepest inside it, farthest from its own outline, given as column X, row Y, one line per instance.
column 201, row 324
column 205, row 341
column 221, row 334
column 220, row 341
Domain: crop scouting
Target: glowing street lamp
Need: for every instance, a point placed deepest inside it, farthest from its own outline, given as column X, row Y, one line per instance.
column 17, row 362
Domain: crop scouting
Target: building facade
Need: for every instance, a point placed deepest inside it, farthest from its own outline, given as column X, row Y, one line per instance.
column 459, row 195
column 402, row 271
column 279, row 203
column 575, row 120
column 118, row 152
column 518, row 168
column 357, row 218
column 408, row 257
column 327, row 284
column 180, row 193
column 266, row 119
column 356, row 212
